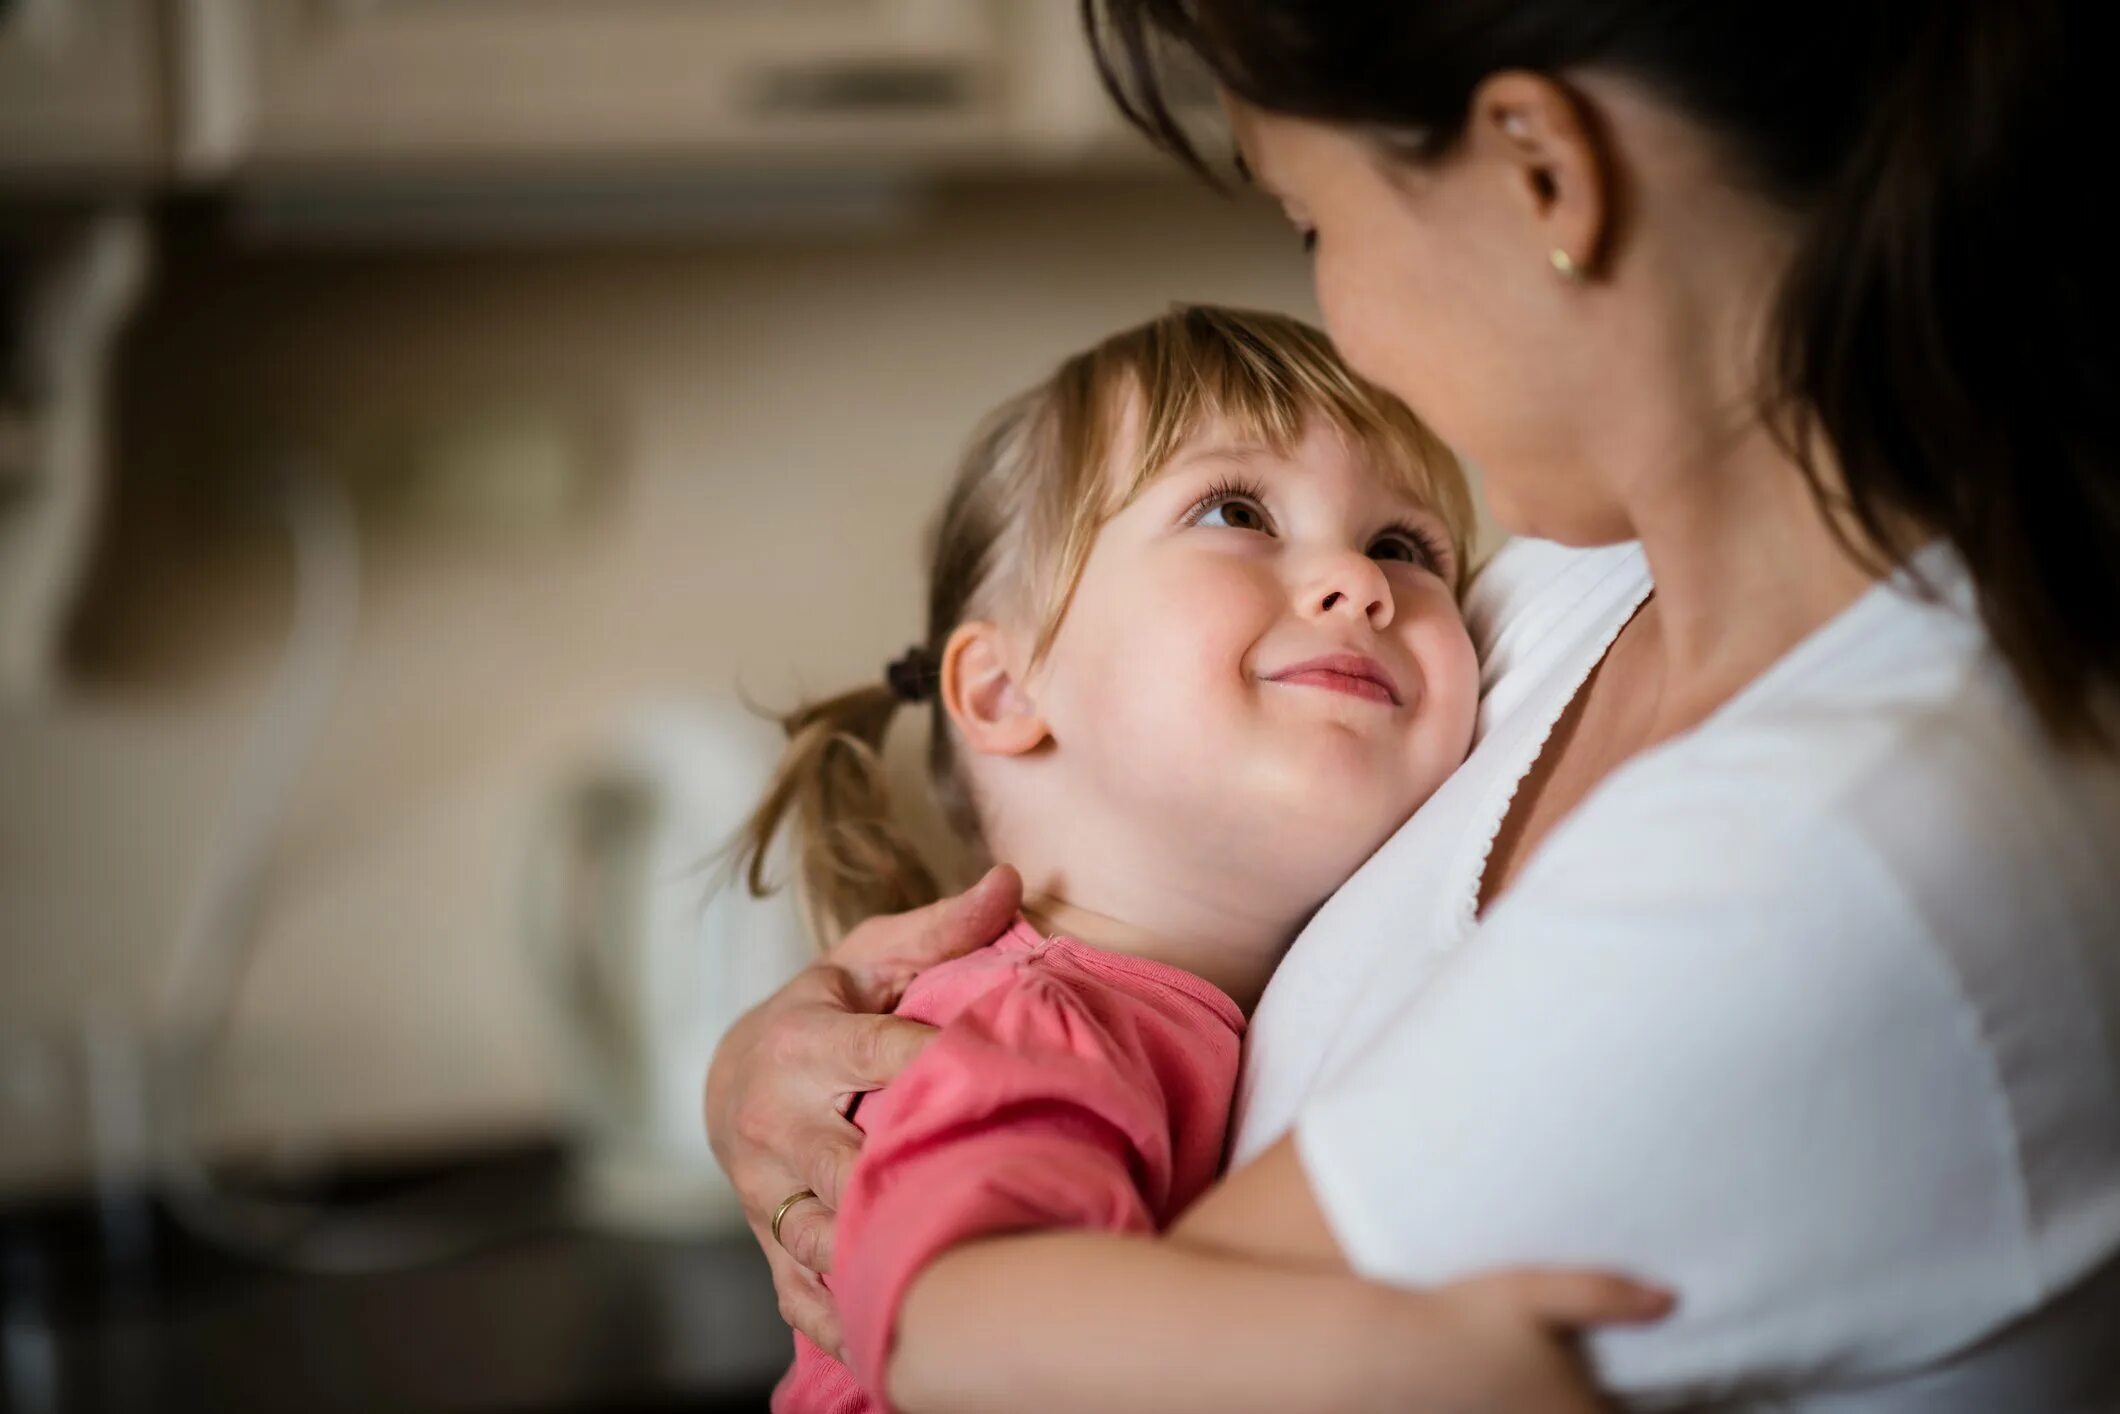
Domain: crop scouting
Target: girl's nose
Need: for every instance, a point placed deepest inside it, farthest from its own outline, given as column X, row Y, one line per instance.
column 1353, row 584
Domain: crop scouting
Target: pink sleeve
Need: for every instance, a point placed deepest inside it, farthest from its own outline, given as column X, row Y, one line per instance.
column 1037, row 1107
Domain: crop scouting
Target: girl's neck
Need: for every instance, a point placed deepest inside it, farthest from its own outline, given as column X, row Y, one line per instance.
column 1236, row 955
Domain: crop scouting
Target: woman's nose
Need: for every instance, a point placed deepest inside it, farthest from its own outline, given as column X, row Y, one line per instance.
column 1353, row 584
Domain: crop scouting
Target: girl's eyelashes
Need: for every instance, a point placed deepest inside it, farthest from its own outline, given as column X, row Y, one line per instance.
column 1411, row 544
column 1241, row 505
column 1309, row 237
column 1232, row 505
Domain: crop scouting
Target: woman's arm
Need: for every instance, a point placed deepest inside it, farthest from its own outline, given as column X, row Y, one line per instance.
column 1015, row 1175
column 1108, row 1324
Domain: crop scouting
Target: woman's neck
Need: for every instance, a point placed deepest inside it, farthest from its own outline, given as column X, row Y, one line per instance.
column 1746, row 566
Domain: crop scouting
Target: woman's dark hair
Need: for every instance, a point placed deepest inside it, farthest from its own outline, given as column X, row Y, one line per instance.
column 1941, row 328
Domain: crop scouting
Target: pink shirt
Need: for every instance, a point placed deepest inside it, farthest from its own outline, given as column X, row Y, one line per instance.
column 1070, row 1088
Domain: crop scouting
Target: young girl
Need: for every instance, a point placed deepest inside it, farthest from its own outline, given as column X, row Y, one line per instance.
column 1193, row 651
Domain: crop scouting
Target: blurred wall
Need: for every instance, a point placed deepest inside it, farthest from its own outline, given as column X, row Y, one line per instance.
column 768, row 426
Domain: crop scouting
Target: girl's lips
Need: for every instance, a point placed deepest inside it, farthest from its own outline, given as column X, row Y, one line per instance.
column 1350, row 673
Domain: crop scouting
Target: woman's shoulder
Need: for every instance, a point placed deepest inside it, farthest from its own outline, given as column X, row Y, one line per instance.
column 1879, row 855
column 1894, row 751
column 1899, row 731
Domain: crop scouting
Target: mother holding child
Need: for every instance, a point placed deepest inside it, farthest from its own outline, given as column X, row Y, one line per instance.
column 1765, row 947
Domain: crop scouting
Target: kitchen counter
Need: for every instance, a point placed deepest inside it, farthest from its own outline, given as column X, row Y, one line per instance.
column 121, row 1310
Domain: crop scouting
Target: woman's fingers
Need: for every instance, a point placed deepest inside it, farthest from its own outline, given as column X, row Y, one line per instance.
column 778, row 1082
column 869, row 1053
column 1570, row 1299
column 884, row 954
column 806, row 1234
column 827, row 1160
column 804, row 1302
column 806, row 1227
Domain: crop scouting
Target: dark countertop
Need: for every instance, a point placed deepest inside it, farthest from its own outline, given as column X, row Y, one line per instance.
column 140, row 1315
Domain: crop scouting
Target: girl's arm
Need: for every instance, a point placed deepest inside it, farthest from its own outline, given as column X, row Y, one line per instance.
column 1112, row 1323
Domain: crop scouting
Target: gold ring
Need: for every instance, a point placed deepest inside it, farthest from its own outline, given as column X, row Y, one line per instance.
column 781, row 1212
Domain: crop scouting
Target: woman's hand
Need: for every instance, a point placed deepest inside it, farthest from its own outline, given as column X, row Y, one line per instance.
column 1174, row 1326
column 781, row 1079
column 1508, row 1341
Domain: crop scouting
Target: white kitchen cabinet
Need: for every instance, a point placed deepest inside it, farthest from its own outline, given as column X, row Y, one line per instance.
column 80, row 91
column 470, row 95
column 396, row 86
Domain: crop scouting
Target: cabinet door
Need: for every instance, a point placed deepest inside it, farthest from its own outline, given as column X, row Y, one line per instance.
column 436, row 83
column 79, row 90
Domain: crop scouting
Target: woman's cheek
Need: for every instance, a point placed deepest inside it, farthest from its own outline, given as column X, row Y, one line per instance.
column 1349, row 314
column 1361, row 310
column 1385, row 330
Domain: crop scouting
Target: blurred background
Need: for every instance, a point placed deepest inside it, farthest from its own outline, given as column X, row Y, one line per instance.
column 424, row 424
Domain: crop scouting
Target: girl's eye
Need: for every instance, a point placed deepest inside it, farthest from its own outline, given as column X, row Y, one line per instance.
column 1310, row 240
column 1414, row 547
column 1231, row 510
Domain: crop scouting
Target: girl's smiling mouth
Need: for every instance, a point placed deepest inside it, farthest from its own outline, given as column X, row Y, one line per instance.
column 1350, row 673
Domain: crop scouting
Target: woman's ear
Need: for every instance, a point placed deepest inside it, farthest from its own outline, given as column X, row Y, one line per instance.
column 1556, row 160
column 980, row 692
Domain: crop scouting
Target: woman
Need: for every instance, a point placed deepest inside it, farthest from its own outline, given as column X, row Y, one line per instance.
column 1766, row 944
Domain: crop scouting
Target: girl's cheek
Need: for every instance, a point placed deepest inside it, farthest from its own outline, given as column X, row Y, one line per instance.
column 1197, row 592
column 1459, row 665
column 1438, row 634
column 1148, row 640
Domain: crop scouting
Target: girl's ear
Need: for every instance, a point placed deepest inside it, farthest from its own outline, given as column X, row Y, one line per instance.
column 991, row 710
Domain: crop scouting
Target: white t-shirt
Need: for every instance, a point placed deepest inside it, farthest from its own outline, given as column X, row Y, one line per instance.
column 1813, row 1013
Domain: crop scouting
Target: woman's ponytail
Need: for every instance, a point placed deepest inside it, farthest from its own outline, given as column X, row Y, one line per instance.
column 1944, row 332
column 851, row 859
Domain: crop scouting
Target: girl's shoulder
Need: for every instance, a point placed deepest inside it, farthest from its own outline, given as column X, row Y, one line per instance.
column 939, row 994
column 1066, row 983
column 1052, row 1020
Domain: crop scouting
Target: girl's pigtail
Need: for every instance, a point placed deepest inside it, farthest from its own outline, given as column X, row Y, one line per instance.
column 852, row 860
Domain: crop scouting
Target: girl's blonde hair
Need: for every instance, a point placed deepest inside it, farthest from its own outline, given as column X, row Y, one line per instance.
column 1037, row 483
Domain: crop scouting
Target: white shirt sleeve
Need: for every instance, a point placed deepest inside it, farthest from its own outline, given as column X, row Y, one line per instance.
column 1745, row 1072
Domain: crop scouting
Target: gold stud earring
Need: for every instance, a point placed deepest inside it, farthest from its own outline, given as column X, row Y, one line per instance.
column 1565, row 263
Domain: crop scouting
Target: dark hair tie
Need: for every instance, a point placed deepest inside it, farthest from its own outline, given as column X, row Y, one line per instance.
column 912, row 677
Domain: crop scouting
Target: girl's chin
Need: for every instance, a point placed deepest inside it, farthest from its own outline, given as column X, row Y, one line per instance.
column 1335, row 765
column 1328, row 827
